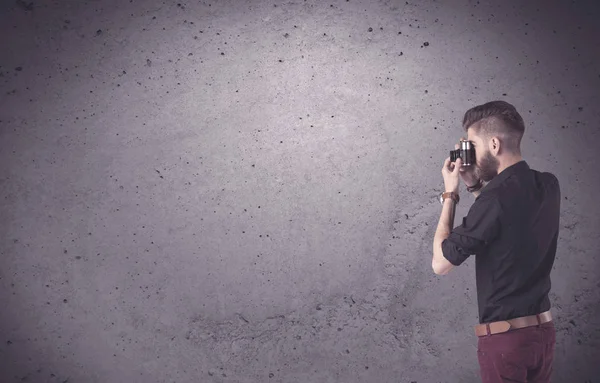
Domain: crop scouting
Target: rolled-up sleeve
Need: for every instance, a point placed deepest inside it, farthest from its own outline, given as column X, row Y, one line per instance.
column 478, row 229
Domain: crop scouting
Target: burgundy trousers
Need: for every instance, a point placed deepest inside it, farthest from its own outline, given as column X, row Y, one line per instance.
column 521, row 355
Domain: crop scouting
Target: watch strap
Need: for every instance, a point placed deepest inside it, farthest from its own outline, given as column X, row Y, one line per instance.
column 452, row 195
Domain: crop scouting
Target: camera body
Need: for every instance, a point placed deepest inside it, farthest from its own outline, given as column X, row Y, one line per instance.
column 466, row 152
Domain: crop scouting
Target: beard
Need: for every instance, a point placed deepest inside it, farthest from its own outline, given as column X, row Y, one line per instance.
column 487, row 168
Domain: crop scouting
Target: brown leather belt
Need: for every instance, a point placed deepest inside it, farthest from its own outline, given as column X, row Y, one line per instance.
column 511, row 324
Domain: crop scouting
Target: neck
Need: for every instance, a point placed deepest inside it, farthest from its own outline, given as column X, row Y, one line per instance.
column 509, row 162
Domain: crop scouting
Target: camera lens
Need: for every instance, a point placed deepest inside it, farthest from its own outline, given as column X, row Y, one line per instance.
column 466, row 153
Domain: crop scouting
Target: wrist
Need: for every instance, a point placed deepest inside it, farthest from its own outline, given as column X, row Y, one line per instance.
column 450, row 195
column 475, row 187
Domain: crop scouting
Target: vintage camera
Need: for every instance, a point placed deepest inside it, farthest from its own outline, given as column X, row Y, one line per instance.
column 466, row 152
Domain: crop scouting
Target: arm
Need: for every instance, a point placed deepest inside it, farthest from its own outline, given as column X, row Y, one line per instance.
column 440, row 265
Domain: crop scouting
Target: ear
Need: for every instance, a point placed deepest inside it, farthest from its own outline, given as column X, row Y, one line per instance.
column 494, row 145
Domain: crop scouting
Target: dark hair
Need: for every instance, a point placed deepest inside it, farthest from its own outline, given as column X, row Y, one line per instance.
column 497, row 118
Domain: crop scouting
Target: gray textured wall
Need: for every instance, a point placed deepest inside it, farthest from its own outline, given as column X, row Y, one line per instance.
column 247, row 191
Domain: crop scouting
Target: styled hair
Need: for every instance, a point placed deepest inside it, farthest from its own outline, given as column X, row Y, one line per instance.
column 497, row 118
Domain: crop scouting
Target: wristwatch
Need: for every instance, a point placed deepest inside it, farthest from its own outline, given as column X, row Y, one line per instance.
column 452, row 195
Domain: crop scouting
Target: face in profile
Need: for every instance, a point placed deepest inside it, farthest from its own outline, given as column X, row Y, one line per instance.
column 486, row 165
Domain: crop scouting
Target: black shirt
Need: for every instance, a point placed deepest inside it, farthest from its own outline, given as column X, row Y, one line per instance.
column 512, row 229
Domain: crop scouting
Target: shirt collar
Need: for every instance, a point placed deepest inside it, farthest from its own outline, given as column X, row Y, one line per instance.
column 509, row 171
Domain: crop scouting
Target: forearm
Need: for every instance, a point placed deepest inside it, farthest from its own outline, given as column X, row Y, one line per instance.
column 444, row 228
column 446, row 222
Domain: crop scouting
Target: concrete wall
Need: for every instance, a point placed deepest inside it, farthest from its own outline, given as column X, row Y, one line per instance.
column 224, row 191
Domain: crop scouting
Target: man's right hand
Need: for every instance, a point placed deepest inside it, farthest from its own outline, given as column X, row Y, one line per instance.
column 467, row 173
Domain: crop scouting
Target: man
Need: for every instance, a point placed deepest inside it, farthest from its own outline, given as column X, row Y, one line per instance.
column 512, row 229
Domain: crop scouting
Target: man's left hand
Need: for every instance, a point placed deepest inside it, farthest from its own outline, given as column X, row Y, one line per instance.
column 451, row 171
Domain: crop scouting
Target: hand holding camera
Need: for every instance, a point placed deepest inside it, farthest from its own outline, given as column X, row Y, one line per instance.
column 466, row 152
